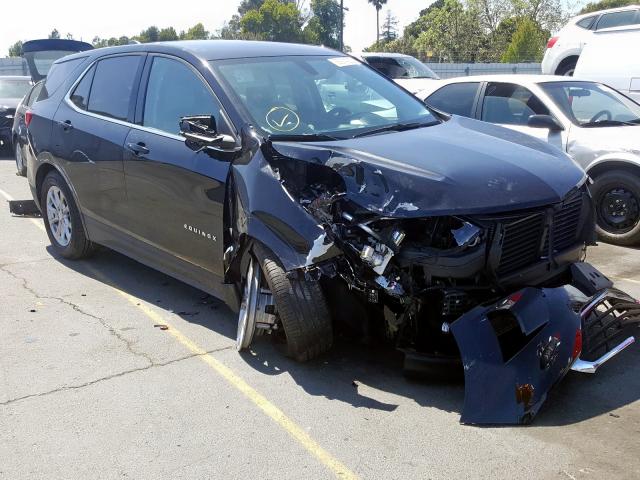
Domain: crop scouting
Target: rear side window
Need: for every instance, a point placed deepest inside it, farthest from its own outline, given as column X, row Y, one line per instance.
column 586, row 22
column 112, row 86
column 59, row 72
column 457, row 98
column 35, row 92
column 80, row 95
column 618, row 19
column 175, row 91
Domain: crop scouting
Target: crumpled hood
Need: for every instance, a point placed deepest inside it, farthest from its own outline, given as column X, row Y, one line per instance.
column 461, row 166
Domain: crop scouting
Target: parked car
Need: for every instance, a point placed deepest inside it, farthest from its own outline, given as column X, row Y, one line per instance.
column 19, row 127
column 606, row 59
column 405, row 70
column 596, row 125
column 229, row 166
column 12, row 89
column 564, row 48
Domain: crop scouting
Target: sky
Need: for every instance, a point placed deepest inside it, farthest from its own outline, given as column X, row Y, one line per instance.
column 113, row 18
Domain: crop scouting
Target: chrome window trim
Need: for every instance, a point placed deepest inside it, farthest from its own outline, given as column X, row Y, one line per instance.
column 155, row 131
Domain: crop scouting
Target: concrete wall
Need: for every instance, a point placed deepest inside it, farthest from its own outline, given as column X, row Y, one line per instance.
column 13, row 66
column 449, row 70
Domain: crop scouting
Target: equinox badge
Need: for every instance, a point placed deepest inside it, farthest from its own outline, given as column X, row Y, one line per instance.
column 197, row 231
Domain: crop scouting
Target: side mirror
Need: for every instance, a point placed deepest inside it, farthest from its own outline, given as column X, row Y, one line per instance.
column 544, row 121
column 200, row 132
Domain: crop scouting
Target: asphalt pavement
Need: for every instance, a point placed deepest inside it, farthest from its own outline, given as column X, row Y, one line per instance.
column 109, row 369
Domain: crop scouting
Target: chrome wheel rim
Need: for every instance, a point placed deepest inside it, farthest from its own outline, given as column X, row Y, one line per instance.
column 248, row 307
column 59, row 216
column 19, row 160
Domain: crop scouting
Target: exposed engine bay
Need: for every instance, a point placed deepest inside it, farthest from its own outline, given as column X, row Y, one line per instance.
column 501, row 292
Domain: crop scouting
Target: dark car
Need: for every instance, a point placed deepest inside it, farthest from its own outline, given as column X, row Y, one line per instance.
column 12, row 90
column 311, row 193
column 19, row 127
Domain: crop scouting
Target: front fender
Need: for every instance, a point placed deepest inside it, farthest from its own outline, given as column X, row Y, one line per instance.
column 266, row 212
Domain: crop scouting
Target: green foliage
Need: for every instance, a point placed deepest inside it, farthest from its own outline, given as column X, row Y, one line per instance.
column 527, row 43
column 197, row 32
column 151, row 34
column 605, row 4
column 54, row 33
column 324, row 26
column 167, row 34
column 275, row 21
column 15, row 50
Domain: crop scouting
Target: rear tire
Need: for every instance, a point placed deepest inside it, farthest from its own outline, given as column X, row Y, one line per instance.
column 21, row 167
column 301, row 308
column 616, row 195
column 567, row 68
column 62, row 219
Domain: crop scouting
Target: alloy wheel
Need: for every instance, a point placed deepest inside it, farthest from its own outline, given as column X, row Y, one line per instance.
column 59, row 216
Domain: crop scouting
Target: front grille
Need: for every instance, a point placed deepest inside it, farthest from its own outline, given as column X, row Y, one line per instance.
column 526, row 237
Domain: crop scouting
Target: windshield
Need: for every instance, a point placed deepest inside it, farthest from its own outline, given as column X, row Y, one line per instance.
column 10, row 88
column 319, row 96
column 589, row 104
column 401, row 67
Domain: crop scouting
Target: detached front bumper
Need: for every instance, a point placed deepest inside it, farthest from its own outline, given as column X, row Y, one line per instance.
column 515, row 350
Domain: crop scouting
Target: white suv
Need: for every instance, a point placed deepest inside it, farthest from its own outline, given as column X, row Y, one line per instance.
column 564, row 49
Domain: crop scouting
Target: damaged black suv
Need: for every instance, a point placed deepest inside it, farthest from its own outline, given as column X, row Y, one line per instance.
column 309, row 191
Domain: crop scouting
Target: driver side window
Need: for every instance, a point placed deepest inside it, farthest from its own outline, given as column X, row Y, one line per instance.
column 510, row 104
column 174, row 91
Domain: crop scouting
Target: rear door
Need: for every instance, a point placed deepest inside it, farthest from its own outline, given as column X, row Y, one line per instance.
column 175, row 194
column 510, row 105
column 90, row 128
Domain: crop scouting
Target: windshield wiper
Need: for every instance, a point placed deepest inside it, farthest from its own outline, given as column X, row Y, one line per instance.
column 610, row 123
column 304, row 137
column 398, row 127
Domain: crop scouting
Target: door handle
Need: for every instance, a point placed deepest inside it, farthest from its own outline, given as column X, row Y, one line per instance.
column 138, row 149
column 66, row 125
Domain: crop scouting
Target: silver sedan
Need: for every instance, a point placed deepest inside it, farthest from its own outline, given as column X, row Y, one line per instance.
column 594, row 124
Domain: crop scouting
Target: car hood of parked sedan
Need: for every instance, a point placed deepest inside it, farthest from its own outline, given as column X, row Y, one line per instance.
column 415, row 85
column 461, row 166
column 9, row 102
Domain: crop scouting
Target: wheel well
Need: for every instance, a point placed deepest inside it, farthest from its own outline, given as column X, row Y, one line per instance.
column 566, row 61
column 42, row 172
column 605, row 167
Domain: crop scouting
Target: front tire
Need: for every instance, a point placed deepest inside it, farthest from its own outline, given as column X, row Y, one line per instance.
column 300, row 307
column 617, row 198
column 21, row 166
column 62, row 219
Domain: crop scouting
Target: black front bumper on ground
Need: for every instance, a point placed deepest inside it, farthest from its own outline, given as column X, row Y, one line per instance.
column 515, row 350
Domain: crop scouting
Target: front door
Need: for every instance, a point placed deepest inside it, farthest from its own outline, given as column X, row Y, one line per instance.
column 175, row 194
column 511, row 105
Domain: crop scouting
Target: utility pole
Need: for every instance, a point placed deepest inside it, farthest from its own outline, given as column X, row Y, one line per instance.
column 342, row 10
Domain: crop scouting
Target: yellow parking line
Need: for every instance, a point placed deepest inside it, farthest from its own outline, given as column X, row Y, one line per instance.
column 35, row 221
column 277, row 415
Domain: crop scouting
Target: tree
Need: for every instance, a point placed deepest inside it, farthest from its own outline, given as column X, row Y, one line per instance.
column 378, row 6
column 167, row 34
column 324, row 26
column 605, row 4
column 527, row 44
column 197, row 32
column 151, row 34
column 15, row 50
column 491, row 12
column 54, row 34
column 274, row 21
column 389, row 27
column 547, row 14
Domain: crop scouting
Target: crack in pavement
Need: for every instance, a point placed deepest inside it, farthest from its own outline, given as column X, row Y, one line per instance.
column 115, row 375
column 128, row 343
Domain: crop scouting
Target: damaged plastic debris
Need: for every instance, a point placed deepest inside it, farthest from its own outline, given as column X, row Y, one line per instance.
column 24, row 208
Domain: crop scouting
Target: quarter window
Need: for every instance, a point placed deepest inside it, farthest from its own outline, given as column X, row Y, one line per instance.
column 80, row 96
column 510, row 104
column 457, row 98
column 618, row 19
column 57, row 75
column 175, row 91
column 112, row 86
column 586, row 22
